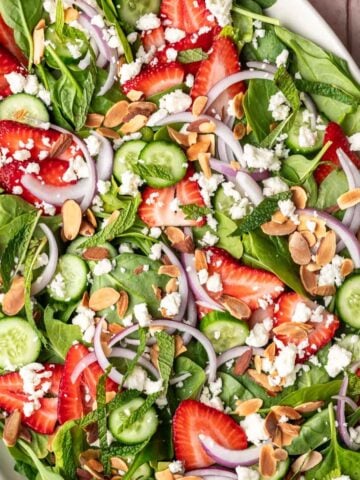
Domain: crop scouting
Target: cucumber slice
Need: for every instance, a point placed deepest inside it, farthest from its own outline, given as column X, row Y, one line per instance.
column 293, row 136
column 348, row 301
column 140, row 430
column 70, row 279
column 223, row 203
column 131, row 10
column 223, row 330
column 75, row 247
column 19, row 343
column 143, row 473
column 24, row 108
column 126, row 157
column 70, row 48
column 165, row 156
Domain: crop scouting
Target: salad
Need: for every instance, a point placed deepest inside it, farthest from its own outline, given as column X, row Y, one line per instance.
column 179, row 244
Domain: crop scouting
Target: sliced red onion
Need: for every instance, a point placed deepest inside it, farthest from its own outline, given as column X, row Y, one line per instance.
column 231, row 354
column 310, row 105
column 341, row 419
column 349, row 239
column 102, row 359
column 91, row 180
column 180, row 378
column 191, row 317
column 86, row 8
column 229, row 458
column 130, row 354
column 54, row 195
column 354, row 366
column 353, row 176
column 262, row 66
column 97, row 35
column 349, row 401
column 105, row 158
column 82, row 365
column 214, row 472
column 222, row 131
column 227, row 82
column 44, row 279
column 110, row 80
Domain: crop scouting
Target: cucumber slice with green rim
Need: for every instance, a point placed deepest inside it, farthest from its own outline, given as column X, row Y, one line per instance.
column 223, row 330
column 131, row 10
column 24, row 108
column 70, row 48
column 348, row 301
column 72, row 281
column 75, row 247
column 140, row 430
column 223, row 203
column 162, row 164
column 293, row 136
column 126, row 157
column 143, row 473
column 19, row 343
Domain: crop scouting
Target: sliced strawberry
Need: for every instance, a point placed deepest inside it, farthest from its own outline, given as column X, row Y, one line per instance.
column 8, row 41
column 91, row 377
column 155, row 209
column 153, row 38
column 12, row 382
column 330, row 161
column 250, row 285
column 187, row 15
column 156, row 79
column 192, row 419
column 42, row 420
column 321, row 333
column 8, row 64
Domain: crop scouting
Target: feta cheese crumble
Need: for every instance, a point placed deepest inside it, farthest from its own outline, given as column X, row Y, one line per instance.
column 279, row 107
column 142, row 314
column 85, row 320
column 262, row 158
column 149, row 21
column 338, row 359
column 254, row 426
column 102, row 267
column 307, row 137
column 221, row 10
column 176, row 101
column 273, row 186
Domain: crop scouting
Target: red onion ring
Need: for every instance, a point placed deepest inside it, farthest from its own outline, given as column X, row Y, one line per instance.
column 180, row 378
column 191, row 317
column 89, row 359
column 262, row 66
column 341, row 419
column 229, row 458
column 54, row 195
column 105, row 159
column 97, row 35
column 214, row 472
column 347, row 400
column 86, row 8
column 353, row 182
column 44, row 279
column 110, row 80
column 104, row 363
column 231, row 354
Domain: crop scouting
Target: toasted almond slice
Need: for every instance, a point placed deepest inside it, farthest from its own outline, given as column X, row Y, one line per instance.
column 313, row 267
column 95, row 465
column 204, row 161
column 236, row 307
column 258, row 363
column 194, row 150
column 103, row 298
column 199, row 105
column 185, row 246
column 39, row 42
column 208, row 137
column 202, row 126
column 248, row 128
column 169, row 270
column 164, row 475
column 267, row 461
column 134, row 125
column 157, row 292
column 284, row 410
column 347, row 267
column 108, row 133
column 91, row 217
column 238, row 105
column 12, row 428
column 263, row 380
column 270, row 351
column 308, row 279
column 280, row 454
column 179, row 345
column 349, row 199
column 242, row 363
column 85, row 300
column 278, row 217
column 309, row 407
column 279, row 230
column 116, row 114
column 115, row 328
column 307, row 461
column 119, row 464
column 95, row 253
column 200, row 260
column 175, row 234
column 172, row 286
column 72, row 218
column 135, row 95
column 324, row 290
column 154, row 355
column 94, row 120
column 327, row 249
column 142, row 108
column 93, row 473
column 309, row 237
column 235, row 165
column 271, row 423
column 183, row 139
column 299, row 196
column 247, row 407
column 239, row 131
column 14, row 298
column 296, row 331
column 299, row 249
column 313, row 224
column 122, row 304
column 86, row 229
column 71, row 14
column 61, row 145
column 289, row 432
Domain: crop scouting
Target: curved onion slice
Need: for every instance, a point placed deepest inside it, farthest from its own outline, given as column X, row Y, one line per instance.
column 104, row 363
column 353, row 180
column 81, row 365
column 211, row 472
column 229, row 458
column 341, row 418
column 191, row 317
column 97, row 35
column 54, row 195
column 110, row 80
column 105, row 159
column 86, row 8
column 44, row 279
column 264, row 66
column 310, row 105
column 231, row 354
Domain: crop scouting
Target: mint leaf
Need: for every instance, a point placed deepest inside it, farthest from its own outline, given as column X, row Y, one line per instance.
column 194, row 212
column 153, row 171
column 166, row 345
column 326, row 90
column 63, row 450
column 126, row 450
column 262, row 213
column 140, row 350
column 102, row 422
column 285, row 83
column 192, row 55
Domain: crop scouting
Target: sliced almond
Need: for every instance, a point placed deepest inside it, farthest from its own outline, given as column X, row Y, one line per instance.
column 263, row 380
column 238, row 105
column 299, row 249
column 95, row 465
column 258, row 363
column 313, row 267
column 272, row 228
column 235, row 165
column 89, row 214
column 347, row 267
column 280, row 454
column 164, row 475
column 242, row 363
column 294, row 330
column 248, row 407
column 108, row 133
column 119, row 464
column 85, row 300
column 94, row 120
column 12, row 428
column 270, row 351
column 93, row 473
column 284, row 410
column 200, row 260
column 14, row 298
column 103, row 298
column 39, row 42
column 289, row 432
column 116, row 114
column 324, row 290
column 154, row 355
column 313, row 224
column 309, row 237
column 61, row 145
column 71, row 14
column 308, row 279
column 183, row 139
column 271, row 424
column 134, row 125
column 95, row 253
column 267, row 461
column 172, row 286
column 307, row 461
column 72, row 218
column 142, row 108
column 209, row 137
column 157, row 292
column 86, row 229
column 202, row 126
column 179, row 345
column 236, row 307
column 184, row 246
column 204, row 161
column 239, row 131
column 327, row 249
column 199, row 105
column 175, row 234
column 299, row 197
column 309, row 407
column 115, row 328
column 122, row 304
column 194, row 150
column 169, row 270
column 278, row 217
column 349, row 199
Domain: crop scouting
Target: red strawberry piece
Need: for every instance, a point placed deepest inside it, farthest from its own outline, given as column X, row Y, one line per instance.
column 8, row 64
column 187, row 15
column 259, row 315
column 330, row 161
column 12, row 382
column 322, row 331
column 251, row 285
column 156, row 209
column 42, row 420
column 153, row 38
column 192, row 419
column 91, row 377
column 8, row 41
column 155, row 79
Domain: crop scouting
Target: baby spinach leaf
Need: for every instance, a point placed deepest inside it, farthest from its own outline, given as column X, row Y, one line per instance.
column 192, row 55
column 266, row 3
column 241, row 31
column 311, row 394
column 225, row 229
column 315, row 375
column 232, row 390
column 193, row 211
column 101, row 104
column 331, row 188
column 45, row 473
column 285, row 83
column 250, row 5
column 191, row 386
column 282, row 127
column 268, row 48
column 61, row 335
column 314, row 432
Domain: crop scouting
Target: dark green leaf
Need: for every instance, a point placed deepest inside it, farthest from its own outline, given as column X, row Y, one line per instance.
column 166, row 344
column 194, row 212
column 153, row 171
column 44, row 473
column 282, row 127
column 126, row 450
column 60, row 17
column 192, row 55
column 314, row 432
column 326, row 90
column 269, row 47
column 334, row 185
column 225, row 229
column 142, row 332
column 61, row 335
column 191, row 386
column 102, row 421
column 285, row 83
column 232, row 390
column 63, row 450
column 311, row 394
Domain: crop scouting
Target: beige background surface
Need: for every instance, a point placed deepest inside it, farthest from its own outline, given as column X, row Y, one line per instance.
column 344, row 17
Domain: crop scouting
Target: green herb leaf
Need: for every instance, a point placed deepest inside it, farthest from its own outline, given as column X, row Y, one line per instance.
column 192, row 385
column 63, row 450
column 44, row 473
column 166, row 345
column 61, row 335
column 102, row 422
column 192, row 55
column 314, row 432
column 60, row 18
column 282, row 127
column 153, row 171
column 326, row 90
column 311, row 394
column 285, row 83
column 112, row 17
column 140, row 350
column 126, row 450
column 262, row 213
column 194, row 212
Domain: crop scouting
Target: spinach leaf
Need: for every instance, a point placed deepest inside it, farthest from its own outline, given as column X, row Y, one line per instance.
column 262, row 213
column 14, row 213
column 331, row 188
column 191, row 386
column 63, row 450
column 241, row 30
column 315, row 375
column 232, row 390
column 285, row 83
column 282, row 127
column 192, row 55
column 351, row 123
column 268, row 48
column 272, row 253
column 250, row 5
column 45, row 473
column 101, row 104
column 193, row 211
column 311, row 394
column 266, row 3
column 60, row 335
column 314, row 432
column 140, row 350
column 22, row 16
column 225, row 229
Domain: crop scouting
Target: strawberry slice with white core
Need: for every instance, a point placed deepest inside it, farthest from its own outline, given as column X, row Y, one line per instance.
column 187, row 15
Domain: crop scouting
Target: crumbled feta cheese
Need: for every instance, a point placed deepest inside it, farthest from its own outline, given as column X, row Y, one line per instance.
column 132, row 37
column 189, row 80
column 208, row 186
column 330, row 274
column 57, row 286
column 240, row 209
column 175, row 102
column 142, row 314
column 221, row 10
column 259, row 32
column 279, row 107
column 213, row 283
column 254, row 428
column 245, row 473
column 307, row 137
column 173, row 35
column 17, row 190
column 85, row 320
column 209, row 239
column 125, row 248
column 171, row 304
column 302, row 313
column 130, row 183
column 259, row 336
column 31, row 85
column 136, row 380
column 355, row 142
column 34, row 387
column 74, row 49
column 282, row 58
column 149, row 21
column 16, row 81
column 155, row 232
column 285, row 361
column 338, row 359
column 103, row 186
column 22, row 155
column 203, row 276
column 171, row 54
column 130, row 70
column 176, row 466
column 273, row 186
column 31, row 167
column 153, row 386
column 261, row 158
column 77, row 169
column 288, row 209
column 102, row 267
column 210, row 395
column 155, row 251
column 97, row 204
column 93, row 145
